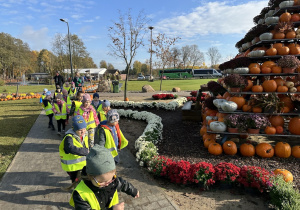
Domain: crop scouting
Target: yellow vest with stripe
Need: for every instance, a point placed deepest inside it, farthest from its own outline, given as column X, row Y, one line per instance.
column 71, row 93
column 77, row 106
column 91, row 122
column 89, row 196
column 67, row 88
column 63, row 114
column 69, row 102
column 70, row 162
column 110, row 143
column 48, row 108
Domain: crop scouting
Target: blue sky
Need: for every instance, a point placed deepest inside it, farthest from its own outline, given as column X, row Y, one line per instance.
column 201, row 22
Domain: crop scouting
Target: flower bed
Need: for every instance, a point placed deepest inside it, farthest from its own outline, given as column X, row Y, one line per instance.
column 204, row 172
column 158, row 105
column 163, row 96
column 20, row 96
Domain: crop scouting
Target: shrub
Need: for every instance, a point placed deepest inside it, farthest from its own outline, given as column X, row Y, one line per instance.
column 159, row 165
column 148, row 153
column 226, row 172
column 203, row 173
column 179, row 172
column 283, row 195
column 2, row 83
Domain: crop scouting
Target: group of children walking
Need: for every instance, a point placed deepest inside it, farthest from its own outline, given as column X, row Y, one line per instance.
column 89, row 151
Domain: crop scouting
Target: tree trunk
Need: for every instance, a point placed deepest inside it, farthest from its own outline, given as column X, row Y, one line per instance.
column 161, row 78
column 125, row 89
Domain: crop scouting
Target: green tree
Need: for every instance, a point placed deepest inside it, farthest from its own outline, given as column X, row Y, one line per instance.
column 144, row 68
column 110, row 66
column 103, row 64
column 137, row 65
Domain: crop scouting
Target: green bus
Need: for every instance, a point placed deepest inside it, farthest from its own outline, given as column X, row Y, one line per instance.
column 175, row 73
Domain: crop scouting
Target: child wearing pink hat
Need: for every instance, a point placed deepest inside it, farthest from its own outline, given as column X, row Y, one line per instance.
column 90, row 116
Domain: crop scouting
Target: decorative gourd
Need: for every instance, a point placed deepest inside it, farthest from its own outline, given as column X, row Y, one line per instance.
column 241, row 70
column 287, row 176
column 286, row 4
column 257, row 53
column 239, row 100
column 208, row 142
column 285, row 17
column 296, row 151
column 218, row 126
column 264, row 150
column 269, row 86
column 294, row 126
column 276, row 120
column 283, row 150
column 293, row 90
column 295, row 17
column 261, row 21
column 229, row 148
column 218, row 102
column 289, row 84
column 229, row 106
column 271, row 20
column 247, row 150
column 270, row 130
column 266, row 36
column 271, row 51
column 215, row 149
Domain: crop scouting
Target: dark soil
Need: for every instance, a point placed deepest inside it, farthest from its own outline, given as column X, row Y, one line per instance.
column 182, row 141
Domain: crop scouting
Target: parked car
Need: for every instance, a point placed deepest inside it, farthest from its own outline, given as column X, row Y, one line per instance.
column 148, row 77
column 141, row 77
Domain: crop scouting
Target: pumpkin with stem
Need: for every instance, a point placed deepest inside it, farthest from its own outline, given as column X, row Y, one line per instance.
column 207, row 142
column 271, row 51
column 287, row 176
column 229, row 148
column 283, row 150
column 215, row 149
column 264, row 150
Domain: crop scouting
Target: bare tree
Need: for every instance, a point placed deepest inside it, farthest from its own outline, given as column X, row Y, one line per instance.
column 196, row 56
column 214, row 55
column 163, row 52
column 175, row 53
column 185, row 54
column 126, row 36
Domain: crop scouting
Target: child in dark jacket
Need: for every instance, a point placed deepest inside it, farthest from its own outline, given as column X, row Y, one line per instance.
column 99, row 186
column 47, row 105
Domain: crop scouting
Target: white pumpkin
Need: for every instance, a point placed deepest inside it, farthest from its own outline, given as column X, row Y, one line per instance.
column 289, row 84
column 218, row 102
column 257, row 53
column 217, row 126
column 229, row 106
column 293, row 90
column 286, row 4
column 241, row 70
column 271, row 20
column 266, row 36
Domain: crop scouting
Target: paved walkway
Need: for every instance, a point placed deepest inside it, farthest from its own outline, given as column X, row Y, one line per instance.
column 34, row 178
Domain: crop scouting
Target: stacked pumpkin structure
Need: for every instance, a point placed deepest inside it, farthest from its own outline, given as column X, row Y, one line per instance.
column 264, row 56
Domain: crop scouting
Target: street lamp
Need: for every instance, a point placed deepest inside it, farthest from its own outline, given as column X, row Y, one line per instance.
column 63, row 20
column 151, row 27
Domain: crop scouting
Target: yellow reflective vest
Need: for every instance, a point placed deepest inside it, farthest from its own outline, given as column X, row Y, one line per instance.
column 63, row 114
column 70, row 162
column 67, row 88
column 72, row 93
column 69, row 102
column 110, row 143
column 48, row 108
column 77, row 106
column 91, row 122
column 89, row 196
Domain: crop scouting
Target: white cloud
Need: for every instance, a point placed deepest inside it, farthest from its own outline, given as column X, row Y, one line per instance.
column 76, row 17
column 88, row 21
column 37, row 39
column 213, row 18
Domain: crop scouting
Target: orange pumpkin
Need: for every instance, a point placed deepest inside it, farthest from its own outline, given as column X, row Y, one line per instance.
column 249, row 86
column 126, row 99
column 266, row 70
column 203, row 130
column 271, row 51
column 283, row 50
column 285, row 17
column 208, row 142
column 269, row 86
column 279, row 35
column 257, row 65
column 240, row 101
column 287, row 176
column 276, row 120
column 256, row 109
column 294, row 49
column 295, row 17
column 290, row 35
column 279, row 81
column 279, row 129
column 215, row 149
column 298, row 89
column 276, row 69
column 247, row 150
column 257, row 88
column 296, row 151
column 287, row 101
column 294, row 126
column 254, row 70
column 283, row 150
column 268, row 63
column 264, row 150
column 209, row 136
column 282, row 88
column 246, row 108
column 229, row 148
column 270, row 130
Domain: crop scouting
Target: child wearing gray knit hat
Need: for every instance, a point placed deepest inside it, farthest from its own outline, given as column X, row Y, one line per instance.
column 98, row 179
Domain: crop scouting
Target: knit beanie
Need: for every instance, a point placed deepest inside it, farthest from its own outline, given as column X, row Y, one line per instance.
column 64, row 92
column 45, row 90
column 105, row 103
column 99, row 161
column 78, row 123
column 48, row 93
column 73, row 84
column 67, row 84
column 95, row 95
column 112, row 116
column 86, row 97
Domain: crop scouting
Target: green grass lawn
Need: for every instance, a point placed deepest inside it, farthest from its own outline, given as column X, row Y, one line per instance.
column 25, row 88
column 16, row 120
column 167, row 85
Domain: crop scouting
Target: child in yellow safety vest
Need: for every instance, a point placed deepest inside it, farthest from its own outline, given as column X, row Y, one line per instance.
column 76, row 103
column 90, row 116
column 105, row 107
column 109, row 134
column 57, row 91
column 97, row 104
column 72, row 92
column 60, row 110
column 46, row 103
column 67, row 99
column 43, row 95
column 73, row 148
column 99, row 186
